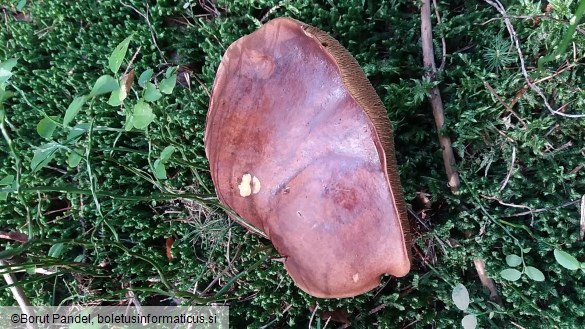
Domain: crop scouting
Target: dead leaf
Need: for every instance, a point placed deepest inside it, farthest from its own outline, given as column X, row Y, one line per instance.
column 16, row 236
column 169, row 245
column 127, row 80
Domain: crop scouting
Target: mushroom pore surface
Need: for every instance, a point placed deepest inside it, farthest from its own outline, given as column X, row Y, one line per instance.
column 300, row 146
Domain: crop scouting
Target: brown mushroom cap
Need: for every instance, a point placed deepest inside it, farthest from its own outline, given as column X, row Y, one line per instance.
column 300, row 146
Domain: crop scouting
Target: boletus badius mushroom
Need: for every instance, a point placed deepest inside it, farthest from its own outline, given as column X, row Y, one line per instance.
column 300, row 146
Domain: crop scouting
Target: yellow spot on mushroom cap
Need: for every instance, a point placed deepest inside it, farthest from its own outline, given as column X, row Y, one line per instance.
column 244, row 187
column 255, row 185
column 250, row 184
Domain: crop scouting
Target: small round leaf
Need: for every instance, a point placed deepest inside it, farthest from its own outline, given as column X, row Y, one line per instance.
column 469, row 321
column 151, row 94
column 160, row 171
column 511, row 274
column 103, row 85
column 74, row 158
column 165, row 155
column 145, row 77
column 46, row 127
column 566, row 260
column 142, row 115
column 513, row 260
column 534, row 273
column 460, row 297
column 117, row 96
column 168, row 84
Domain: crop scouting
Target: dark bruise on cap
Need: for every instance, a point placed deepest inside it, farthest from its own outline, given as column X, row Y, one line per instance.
column 300, row 146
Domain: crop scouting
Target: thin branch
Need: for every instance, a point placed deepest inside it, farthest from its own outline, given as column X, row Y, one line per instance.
column 510, row 170
column 536, row 211
column 313, row 314
column 17, row 292
column 508, row 108
column 486, row 281
column 500, row 8
column 578, row 29
column 152, row 31
column 582, row 222
column 530, row 210
column 272, row 10
column 522, row 91
column 436, row 102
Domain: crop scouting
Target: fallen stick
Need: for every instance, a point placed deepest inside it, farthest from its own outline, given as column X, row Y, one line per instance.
column 436, row 101
column 17, row 292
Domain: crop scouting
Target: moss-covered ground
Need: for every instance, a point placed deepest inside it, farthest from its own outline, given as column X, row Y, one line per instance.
column 117, row 205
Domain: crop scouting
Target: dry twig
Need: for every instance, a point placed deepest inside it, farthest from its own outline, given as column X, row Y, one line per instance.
column 508, row 108
column 512, row 205
column 17, row 292
column 582, row 222
column 486, row 281
column 152, row 31
column 510, row 170
column 436, row 102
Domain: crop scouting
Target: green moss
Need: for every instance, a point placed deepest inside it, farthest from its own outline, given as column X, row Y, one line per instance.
column 64, row 47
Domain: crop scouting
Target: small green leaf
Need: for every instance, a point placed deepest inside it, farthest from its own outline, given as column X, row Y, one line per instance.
column 168, row 84
column 526, row 250
column 104, row 84
column 513, row 260
column 165, row 155
column 56, row 250
column 20, row 5
column 117, row 96
column 534, row 273
column 4, row 75
column 46, row 127
column 6, row 69
column 117, row 56
column 4, row 95
column 469, row 321
column 566, row 260
column 31, row 269
column 511, row 274
column 77, row 131
column 7, row 180
column 142, row 115
column 74, row 158
column 160, row 171
column 151, row 94
column 128, row 124
column 8, row 64
column 460, row 297
column 43, row 155
column 145, row 77
column 73, row 109
column 170, row 71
